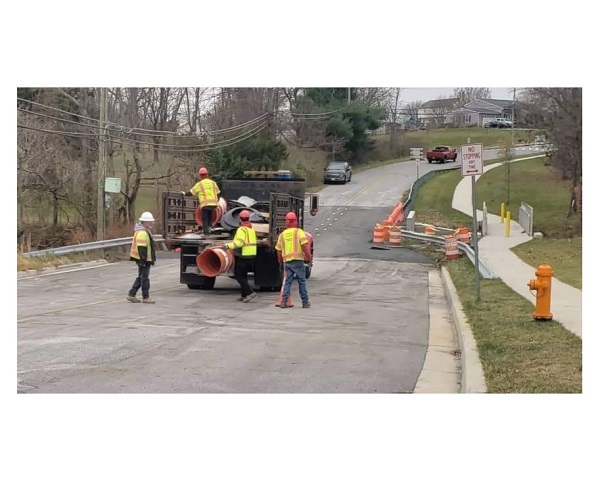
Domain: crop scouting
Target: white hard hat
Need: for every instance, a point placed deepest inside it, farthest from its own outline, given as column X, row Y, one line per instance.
column 146, row 217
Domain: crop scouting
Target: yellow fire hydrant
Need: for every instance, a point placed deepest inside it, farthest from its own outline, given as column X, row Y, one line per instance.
column 543, row 286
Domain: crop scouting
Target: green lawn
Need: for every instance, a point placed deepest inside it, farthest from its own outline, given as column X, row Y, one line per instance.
column 518, row 354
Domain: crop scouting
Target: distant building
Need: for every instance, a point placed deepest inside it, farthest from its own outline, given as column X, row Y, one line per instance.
column 437, row 112
column 481, row 111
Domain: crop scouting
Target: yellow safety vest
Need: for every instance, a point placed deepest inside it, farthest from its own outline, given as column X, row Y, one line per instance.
column 207, row 192
column 245, row 239
column 290, row 243
column 141, row 238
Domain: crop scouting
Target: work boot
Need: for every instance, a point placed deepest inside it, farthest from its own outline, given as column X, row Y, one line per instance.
column 147, row 300
column 306, row 305
column 132, row 299
column 249, row 297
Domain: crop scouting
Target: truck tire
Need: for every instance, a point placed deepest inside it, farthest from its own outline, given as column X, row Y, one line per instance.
column 204, row 283
column 429, row 160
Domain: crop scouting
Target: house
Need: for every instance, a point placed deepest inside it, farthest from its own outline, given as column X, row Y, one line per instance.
column 437, row 112
column 481, row 111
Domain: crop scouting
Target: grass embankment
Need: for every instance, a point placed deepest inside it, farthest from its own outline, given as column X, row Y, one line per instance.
column 518, row 354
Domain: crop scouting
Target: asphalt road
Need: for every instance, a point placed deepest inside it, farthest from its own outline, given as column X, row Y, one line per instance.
column 367, row 331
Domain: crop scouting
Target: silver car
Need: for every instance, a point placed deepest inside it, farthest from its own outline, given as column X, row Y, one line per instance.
column 337, row 173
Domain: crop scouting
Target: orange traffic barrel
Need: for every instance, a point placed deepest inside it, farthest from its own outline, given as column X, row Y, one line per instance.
column 214, row 261
column 451, row 247
column 463, row 235
column 395, row 236
column 379, row 234
column 217, row 212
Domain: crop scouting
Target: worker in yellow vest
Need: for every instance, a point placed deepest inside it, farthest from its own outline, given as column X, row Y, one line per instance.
column 244, row 249
column 144, row 255
column 293, row 249
column 207, row 192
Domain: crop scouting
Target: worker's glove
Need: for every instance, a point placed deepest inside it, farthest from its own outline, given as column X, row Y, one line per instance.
column 183, row 192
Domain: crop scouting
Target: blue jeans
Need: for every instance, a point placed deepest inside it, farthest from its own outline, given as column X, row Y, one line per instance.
column 294, row 268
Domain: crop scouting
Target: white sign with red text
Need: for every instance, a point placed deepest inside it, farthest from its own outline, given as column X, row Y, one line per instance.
column 471, row 158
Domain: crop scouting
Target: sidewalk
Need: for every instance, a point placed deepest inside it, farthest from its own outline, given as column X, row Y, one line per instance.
column 494, row 250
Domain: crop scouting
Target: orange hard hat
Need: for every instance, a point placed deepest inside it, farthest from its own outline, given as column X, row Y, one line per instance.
column 245, row 215
column 203, row 171
column 291, row 217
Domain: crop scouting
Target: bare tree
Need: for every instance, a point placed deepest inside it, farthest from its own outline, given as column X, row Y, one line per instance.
column 468, row 94
column 393, row 102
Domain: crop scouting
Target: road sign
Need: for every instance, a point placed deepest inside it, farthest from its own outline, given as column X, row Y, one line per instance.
column 471, row 157
column 416, row 153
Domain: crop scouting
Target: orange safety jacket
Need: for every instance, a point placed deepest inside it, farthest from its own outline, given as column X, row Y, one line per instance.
column 290, row 243
column 142, row 239
column 207, row 192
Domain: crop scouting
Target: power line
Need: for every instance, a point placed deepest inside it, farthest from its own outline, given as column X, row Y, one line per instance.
column 120, row 128
column 77, row 135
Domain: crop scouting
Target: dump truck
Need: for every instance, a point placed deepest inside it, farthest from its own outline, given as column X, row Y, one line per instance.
column 272, row 199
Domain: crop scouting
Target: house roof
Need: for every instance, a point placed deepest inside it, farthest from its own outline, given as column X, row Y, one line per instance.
column 478, row 110
column 503, row 104
column 439, row 103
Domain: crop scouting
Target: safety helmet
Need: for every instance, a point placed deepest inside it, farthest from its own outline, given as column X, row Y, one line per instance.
column 291, row 220
column 202, row 171
column 147, row 217
column 244, row 215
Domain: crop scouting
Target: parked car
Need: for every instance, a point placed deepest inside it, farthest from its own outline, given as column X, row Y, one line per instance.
column 441, row 154
column 337, row 172
column 499, row 123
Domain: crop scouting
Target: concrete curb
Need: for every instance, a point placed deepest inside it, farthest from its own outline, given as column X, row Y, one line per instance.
column 472, row 377
column 64, row 267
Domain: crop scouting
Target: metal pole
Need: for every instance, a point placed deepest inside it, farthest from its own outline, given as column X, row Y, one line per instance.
column 101, row 167
column 349, row 94
column 475, row 239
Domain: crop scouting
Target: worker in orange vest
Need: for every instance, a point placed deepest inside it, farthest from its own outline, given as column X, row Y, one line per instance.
column 293, row 249
column 208, row 192
column 144, row 255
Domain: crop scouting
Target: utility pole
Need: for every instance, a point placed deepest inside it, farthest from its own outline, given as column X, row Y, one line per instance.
column 512, row 143
column 349, row 89
column 100, row 221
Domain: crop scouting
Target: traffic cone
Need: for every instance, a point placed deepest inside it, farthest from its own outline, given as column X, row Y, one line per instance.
column 289, row 299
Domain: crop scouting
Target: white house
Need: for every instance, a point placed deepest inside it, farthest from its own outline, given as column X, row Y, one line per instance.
column 480, row 111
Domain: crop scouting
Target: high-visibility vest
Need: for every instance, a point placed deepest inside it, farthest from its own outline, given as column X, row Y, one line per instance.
column 290, row 243
column 207, row 192
column 141, row 238
column 245, row 239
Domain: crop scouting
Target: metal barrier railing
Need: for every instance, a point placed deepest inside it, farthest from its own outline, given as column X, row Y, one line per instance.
column 89, row 246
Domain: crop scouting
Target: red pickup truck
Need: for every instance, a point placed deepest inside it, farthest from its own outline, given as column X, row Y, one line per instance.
column 441, row 154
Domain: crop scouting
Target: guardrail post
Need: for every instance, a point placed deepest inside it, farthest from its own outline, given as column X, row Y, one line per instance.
column 410, row 221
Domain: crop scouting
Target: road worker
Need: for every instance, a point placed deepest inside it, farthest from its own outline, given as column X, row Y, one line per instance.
column 144, row 255
column 208, row 197
column 244, row 249
column 293, row 249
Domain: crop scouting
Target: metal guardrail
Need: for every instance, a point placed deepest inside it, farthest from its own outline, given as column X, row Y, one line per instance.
column 420, row 181
column 89, row 246
column 484, row 270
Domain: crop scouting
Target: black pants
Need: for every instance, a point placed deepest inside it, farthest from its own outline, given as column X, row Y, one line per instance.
column 143, row 281
column 242, row 266
column 207, row 214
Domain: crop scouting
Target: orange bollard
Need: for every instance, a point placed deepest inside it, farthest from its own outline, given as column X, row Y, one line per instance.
column 289, row 301
column 543, row 287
